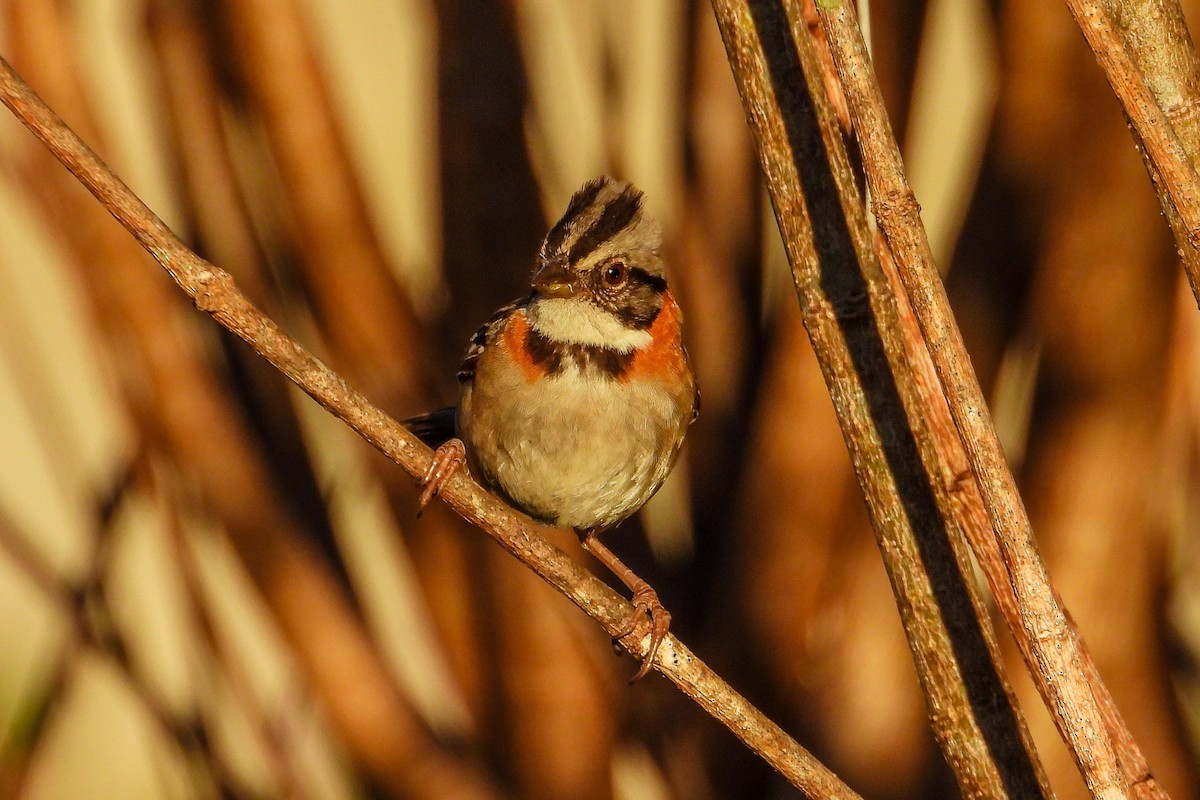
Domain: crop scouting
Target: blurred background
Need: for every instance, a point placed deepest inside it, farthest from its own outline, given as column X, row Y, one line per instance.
column 209, row 588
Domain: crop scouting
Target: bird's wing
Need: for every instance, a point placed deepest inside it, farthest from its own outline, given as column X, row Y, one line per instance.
column 466, row 372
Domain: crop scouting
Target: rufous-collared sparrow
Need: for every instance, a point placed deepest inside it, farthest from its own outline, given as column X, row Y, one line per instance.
column 574, row 400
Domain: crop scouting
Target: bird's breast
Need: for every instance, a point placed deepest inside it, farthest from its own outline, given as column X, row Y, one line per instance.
column 570, row 442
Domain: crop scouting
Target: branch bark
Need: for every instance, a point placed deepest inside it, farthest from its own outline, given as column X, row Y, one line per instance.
column 1059, row 659
column 852, row 317
column 1152, row 68
column 214, row 292
column 1050, row 643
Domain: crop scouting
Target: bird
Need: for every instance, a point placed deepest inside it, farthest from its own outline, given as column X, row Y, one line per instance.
column 574, row 400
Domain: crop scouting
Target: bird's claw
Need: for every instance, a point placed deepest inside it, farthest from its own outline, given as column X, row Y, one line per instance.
column 447, row 459
column 645, row 601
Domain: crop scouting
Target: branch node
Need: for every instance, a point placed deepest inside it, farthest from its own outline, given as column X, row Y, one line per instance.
column 895, row 201
column 213, row 288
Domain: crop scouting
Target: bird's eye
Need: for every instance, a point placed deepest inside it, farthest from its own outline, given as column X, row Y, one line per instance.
column 615, row 274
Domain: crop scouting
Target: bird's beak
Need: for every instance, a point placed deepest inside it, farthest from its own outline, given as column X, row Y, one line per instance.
column 556, row 279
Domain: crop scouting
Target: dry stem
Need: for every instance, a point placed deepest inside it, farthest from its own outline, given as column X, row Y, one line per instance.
column 851, row 315
column 1166, row 152
column 1058, row 662
column 213, row 291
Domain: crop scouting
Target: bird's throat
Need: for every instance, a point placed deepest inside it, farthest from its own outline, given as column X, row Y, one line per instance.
column 576, row 321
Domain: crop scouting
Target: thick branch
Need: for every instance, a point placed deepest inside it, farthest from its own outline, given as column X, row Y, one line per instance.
column 1058, row 662
column 852, row 318
column 214, row 292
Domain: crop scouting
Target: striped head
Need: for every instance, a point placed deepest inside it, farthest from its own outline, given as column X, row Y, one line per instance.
column 599, row 280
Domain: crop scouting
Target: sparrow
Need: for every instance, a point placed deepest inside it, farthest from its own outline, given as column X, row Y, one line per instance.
column 574, row 400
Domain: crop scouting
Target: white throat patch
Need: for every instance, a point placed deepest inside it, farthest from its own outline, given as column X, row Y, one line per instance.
column 580, row 322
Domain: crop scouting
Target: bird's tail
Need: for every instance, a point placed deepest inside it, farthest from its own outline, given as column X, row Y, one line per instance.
column 433, row 428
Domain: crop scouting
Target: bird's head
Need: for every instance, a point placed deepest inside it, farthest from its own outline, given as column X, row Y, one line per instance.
column 598, row 279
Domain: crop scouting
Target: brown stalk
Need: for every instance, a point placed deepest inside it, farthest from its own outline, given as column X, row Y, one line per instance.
column 217, row 214
column 718, row 240
column 560, row 695
column 220, row 226
column 551, row 697
column 1000, row 555
column 487, row 181
column 1156, row 35
column 1055, row 646
column 851, row 316
column 834, row 654
column 1160, row 69
column 213, row 291
column 215, row 651
column 352, row 285
column 1102, row 303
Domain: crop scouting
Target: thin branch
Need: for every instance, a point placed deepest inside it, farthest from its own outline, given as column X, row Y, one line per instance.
column 851, row 314
column 213, row 291
column 1167, row 152
column 1058, row 662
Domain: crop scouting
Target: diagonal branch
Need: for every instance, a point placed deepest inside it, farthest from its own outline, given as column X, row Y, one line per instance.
column 1168, row 153
column 852, row 316
column 214, row 291
column 1056, row 654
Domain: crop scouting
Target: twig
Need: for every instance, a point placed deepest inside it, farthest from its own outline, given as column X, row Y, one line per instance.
column 1172, row 170
column 851, row 316
column 214, row 292
column 1058, row 662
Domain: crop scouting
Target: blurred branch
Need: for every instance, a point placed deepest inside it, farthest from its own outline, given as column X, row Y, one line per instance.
column 91, row 626
column 218, row 221
column 280, row 757
column 1157, row 65
column 851, row 315
column 187, row 413
column 213, row 291
column 368, row 318
column 28, row 733
column 1049, row 642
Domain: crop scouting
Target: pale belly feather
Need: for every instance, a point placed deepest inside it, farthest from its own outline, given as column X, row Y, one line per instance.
column 574, row 450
